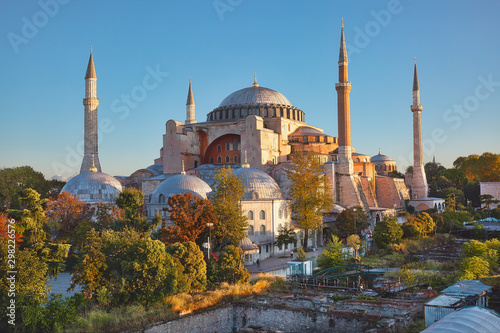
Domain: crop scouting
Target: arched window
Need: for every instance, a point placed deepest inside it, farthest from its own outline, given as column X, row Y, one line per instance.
column 266, row 112
column 262, row 230
column 250, row 214
column 136, row 180
column 357, row 160
column 250, row 231
column 162, row 198
column 274, row 112
column 262, row 215
column 228, row 159
column 219, row 159
column 235, row 158
column 211, row 159
column 144, row 176
column 288, row 113
column 255, row 195
column 219, row 148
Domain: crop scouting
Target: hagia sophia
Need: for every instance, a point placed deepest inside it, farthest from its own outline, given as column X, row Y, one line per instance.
column 255, row 131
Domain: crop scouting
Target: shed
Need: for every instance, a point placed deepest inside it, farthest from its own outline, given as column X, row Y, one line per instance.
column 475, row 288
column 440, row 306
column 473, row 319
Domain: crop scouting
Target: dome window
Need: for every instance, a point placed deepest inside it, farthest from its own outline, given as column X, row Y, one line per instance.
column 161, row 199
column 255, row 195
column 219, row 148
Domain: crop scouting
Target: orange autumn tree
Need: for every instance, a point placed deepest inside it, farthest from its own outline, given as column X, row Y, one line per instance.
column 190, row 215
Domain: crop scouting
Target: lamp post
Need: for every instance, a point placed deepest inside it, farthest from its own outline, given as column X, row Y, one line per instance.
column 209, row 225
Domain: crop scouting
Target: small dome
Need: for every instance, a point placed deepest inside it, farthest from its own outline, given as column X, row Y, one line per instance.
column 180, row 184
column 381, row 158
column 93, row 187
column 255, row 95
column 258, row 184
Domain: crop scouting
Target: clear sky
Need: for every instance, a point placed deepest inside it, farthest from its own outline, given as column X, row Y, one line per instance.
column 292, row 45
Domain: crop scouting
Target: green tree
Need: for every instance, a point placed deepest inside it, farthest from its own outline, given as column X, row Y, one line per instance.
column 33, row 220
column 487, row 251
column 354, row 243
column 190, row 215
column 231, row 222
column 485, row 168
column 301, row 254
column 193, row 273
column 131, row 200
column 230, row 267
column 425, row 223
column 488, row 200
column 333, row 254
column 473, row 268
column 89, row 271
column 310, row 193
column 285, row 236
column 352, row 220
column 386, row 232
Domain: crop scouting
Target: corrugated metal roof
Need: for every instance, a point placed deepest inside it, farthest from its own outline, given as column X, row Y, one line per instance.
column 446, row 300
column 474, row 319
column 467, row 287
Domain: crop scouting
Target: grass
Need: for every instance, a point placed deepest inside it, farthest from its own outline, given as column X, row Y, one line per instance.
column 137, row 317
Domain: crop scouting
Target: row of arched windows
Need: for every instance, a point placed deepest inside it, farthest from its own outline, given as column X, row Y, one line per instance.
column 385, row 167
column 227, row 159
column 291, row 113
column 251, row 231
column 262, row 215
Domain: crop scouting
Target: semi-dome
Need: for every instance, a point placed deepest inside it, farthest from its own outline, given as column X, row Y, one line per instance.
column 93, row 187
column 255, row 96
column 180, row 184
column 258, row 184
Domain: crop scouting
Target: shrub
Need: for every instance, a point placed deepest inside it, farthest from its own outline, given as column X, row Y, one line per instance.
column 386, row 232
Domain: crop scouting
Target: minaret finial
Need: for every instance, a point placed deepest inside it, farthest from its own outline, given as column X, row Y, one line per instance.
column 255, row 84
column 342, row 23
column 379, row 151
column 415, row 78
column 245, row 164
column 90, row 74
column 343, row 49
column 190, row 98
column 90, row 48
column 183, row 172
column 93, row 168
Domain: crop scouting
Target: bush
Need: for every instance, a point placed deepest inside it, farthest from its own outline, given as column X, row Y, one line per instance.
column 386, row 232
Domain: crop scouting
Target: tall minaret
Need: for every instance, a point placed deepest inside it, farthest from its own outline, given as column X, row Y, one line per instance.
column 343, row 88
column 419, row 186
column 190, row 108
column 90, row 103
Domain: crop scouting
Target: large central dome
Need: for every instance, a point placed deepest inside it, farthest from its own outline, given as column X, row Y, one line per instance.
column 255, row 96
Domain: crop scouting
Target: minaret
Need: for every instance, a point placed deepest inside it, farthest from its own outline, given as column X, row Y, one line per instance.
column 90, row 103
column 190, row 107
column 343, row 88
column 419, row 186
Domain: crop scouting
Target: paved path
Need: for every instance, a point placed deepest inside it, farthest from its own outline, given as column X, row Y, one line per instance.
column 276, row 263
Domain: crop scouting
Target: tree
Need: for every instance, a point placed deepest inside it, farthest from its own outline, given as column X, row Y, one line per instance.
column 352, row 220
column 230, row 267
column 33, row 220
column 386, row 232
column 396, row 174
column 310, row 193
column 473, row 268
column 131, row 201
column 488, row 200
column 286, row 236
column 424, row 223
column 332, row 255
column 65, row 214
column 190, row 215
column 485, row 168
column 193, row 272
column 15, row 181
column 89, row 271
column 231, row 222
column 354, row 243
column 487, row 251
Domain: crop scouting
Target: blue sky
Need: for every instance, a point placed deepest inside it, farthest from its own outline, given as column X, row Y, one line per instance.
column 292, row 45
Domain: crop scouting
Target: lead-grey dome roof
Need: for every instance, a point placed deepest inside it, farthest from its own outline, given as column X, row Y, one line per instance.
column 93, row 187
column 258, row 182
column 254, row 96
column 381, row 158
column 180, row 184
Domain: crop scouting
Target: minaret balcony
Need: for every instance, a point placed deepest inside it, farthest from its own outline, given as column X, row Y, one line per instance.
column 343, row 84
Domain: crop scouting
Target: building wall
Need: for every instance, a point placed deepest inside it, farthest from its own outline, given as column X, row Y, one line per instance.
column 492, row 188
column 391, row 191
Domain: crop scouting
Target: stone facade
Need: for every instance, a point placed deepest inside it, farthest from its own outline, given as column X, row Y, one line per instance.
column 492, row 188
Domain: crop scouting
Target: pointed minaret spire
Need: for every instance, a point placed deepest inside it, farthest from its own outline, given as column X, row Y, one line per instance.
column 343, row 49
column 190, row 106
column 419, row 187
column 345, row 165
column 90, row 103
column 255, row 84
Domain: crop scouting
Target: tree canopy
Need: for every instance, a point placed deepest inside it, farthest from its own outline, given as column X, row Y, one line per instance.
column 386, row 232
column 485, row 168
column 332, row 255
column 352, row 220
column 309, row 190
column 231, row 222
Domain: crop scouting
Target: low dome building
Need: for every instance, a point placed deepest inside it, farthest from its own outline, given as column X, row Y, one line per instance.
column 383, row 164
column 93, row 187
column 173, row 185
